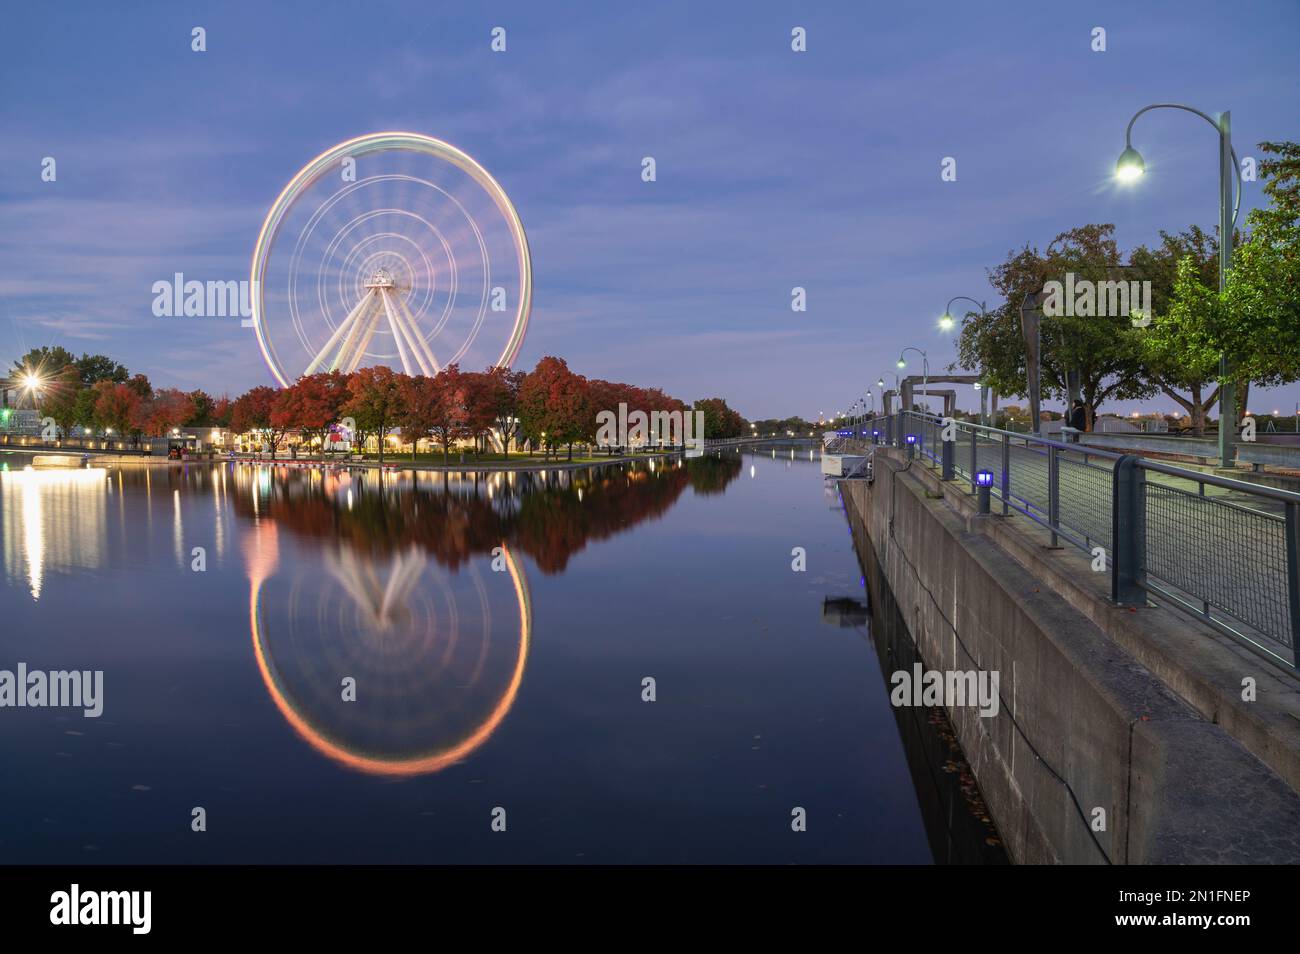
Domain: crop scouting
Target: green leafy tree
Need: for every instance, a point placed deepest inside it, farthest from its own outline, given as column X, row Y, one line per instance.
column 43, row 361
column 720, row 421
column 1261, row 308
column 1178, row 356
column 94, row 368
column 1104, row 350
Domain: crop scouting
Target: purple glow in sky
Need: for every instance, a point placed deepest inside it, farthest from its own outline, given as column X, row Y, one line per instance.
column 775, row 169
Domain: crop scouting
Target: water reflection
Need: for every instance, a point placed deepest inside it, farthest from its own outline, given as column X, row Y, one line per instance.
column 550, row 516
column 387, row 663
column 50, row 517
column 235, row 681
column 401, row 648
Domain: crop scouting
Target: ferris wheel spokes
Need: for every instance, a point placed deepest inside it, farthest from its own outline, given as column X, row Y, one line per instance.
column 352, row 337
column 413, row 329
column 349, row 326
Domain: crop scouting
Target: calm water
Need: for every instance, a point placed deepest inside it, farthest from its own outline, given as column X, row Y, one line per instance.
column 498, row 633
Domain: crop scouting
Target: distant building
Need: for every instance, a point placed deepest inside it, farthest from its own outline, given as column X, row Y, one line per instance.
column 20, row 422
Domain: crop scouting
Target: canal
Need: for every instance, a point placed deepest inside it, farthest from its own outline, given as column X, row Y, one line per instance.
column 608, row 665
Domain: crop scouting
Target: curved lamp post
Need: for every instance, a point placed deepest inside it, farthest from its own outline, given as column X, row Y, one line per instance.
column 925, row 370
column 1130, row 167
column 947, row 322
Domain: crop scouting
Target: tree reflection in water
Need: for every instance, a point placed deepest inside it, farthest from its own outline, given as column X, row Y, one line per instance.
column 393, row 635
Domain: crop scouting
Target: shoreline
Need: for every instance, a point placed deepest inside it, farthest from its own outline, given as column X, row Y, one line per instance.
column 524, row 465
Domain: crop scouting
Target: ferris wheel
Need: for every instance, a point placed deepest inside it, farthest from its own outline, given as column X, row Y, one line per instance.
column 390, row 249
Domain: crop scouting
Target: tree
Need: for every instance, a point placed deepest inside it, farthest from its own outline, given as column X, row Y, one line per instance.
column 201, row 405
column 312, row 403
column 140, row 385
column 500, row 396
column 93, row 368
column 59, row 397
column 84, row 411
column 479, row 389
column 374, row 401
column 1253, row 322
column 419, row 413
column 1261, row 308
column 162, row 413
column 1176, row 352
column 556, row 402
column 251, row 413
column 222, row 408
column 1104, row 350
column 43, row 361
column 719, row 419
column 435, row 405
column 115, row 406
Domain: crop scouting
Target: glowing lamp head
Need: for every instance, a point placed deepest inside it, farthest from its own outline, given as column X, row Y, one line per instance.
column 902, row 363
column 911, row 438
column 1130, row 166
column 984, row 478
column 875, row 433
column 880, row 383
column 946, row 321
column 977, row 385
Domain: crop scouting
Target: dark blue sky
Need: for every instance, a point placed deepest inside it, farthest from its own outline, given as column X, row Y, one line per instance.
column 775, row 169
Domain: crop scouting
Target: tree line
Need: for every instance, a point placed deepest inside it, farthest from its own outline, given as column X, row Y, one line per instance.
column 548, row 407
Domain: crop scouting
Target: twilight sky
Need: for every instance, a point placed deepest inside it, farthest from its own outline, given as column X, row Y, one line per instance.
column 775, row 169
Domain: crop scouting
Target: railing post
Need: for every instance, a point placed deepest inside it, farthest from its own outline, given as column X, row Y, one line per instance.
column 948, row 448
column 1128, row 533
column 974, row 458
column 1053, row 490
column 1293, row 576
column 1006, row 473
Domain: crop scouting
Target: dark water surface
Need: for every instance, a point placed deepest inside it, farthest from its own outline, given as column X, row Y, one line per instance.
column 498, row 632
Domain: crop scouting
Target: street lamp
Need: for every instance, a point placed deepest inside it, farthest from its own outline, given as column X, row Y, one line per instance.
column 925, row 371
column 1130, row 168
column 31, row 382
column 947, row 321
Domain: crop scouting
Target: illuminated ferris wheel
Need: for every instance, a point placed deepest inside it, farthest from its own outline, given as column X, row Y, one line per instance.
column 390, row 249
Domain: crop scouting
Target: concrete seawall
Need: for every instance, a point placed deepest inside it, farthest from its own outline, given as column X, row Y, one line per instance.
column 1083, row 724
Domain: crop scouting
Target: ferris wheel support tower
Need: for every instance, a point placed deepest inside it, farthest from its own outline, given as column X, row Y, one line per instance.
column 351, row 338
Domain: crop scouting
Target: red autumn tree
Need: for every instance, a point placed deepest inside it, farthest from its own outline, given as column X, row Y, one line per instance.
column 450, row 410
column 164, row 411
column 555, row 402
column 115, row 406
column 500, row 395
column 252, row 414
column 312, row 404
column 480, row 412
column 420, row 412
column 374, row 401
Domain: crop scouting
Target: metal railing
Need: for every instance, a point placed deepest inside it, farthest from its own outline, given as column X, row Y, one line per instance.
column 1225, row 550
